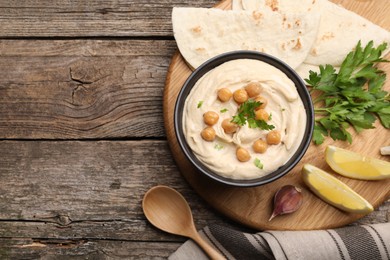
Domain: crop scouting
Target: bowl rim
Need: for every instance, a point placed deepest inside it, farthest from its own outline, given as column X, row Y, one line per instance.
column 215, row 62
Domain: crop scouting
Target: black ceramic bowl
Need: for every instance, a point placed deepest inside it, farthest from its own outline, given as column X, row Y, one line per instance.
column 211, row 64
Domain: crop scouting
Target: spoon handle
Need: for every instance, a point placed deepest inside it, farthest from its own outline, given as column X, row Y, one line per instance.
column 210, row 251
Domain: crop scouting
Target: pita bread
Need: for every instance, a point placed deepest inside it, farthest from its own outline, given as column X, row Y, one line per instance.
column 339, row 32
column 251, row 4
column 203, row 33
column 285, row 6
column 237, row 5
column 339, row 29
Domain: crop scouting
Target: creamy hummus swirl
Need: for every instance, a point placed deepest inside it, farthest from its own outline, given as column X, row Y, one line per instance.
column 284, row 105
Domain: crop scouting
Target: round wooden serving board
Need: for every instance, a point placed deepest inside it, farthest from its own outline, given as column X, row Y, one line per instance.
column 253, row 206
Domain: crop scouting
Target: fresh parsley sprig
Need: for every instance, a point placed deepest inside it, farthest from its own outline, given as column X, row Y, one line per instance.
column 352, row 97
column 246, row 113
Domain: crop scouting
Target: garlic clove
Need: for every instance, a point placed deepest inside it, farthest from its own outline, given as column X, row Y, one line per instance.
column 287, row 199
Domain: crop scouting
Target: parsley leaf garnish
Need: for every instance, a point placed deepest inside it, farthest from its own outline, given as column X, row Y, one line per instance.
column 258, row 163
column 200, row 103
column 352, row 97
column 223, row 110
column 218, row 146
column 246, row 113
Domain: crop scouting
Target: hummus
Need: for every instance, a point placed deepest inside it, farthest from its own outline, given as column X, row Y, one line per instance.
column 284, row 105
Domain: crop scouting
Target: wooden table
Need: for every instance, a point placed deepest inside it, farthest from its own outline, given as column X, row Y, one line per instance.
column 81, row 129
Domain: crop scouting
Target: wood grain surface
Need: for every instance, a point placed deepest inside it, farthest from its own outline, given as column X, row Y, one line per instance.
column 83, row 198
column 95, row 18
column 78, row 150
column 253, row 206
column 76, row 89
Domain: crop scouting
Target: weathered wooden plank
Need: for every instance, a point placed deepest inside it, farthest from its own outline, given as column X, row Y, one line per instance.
column 48, row 18
column 86, row 48
column 76, row 190
column 124, row 230
column 83, row 249
column 82, row 180
column 82, row 88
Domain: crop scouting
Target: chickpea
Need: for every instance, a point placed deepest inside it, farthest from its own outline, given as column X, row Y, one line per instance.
column 208, row 134
column 263, row 102
column 253, row 89
column 273, row 137
column 240, row 96
column 210, row 117
column 224, row 94
column 261, row 114
column 260, row 146
column 229, row 127
column 242, row 154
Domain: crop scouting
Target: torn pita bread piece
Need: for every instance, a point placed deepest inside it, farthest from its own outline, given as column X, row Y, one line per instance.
column 339, row 32
column 203, row 33
column 339, row 29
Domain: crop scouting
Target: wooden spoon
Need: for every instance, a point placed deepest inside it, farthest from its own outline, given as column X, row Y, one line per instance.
column 168, row 210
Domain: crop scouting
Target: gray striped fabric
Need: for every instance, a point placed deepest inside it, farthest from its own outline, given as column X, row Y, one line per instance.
column 368, row 242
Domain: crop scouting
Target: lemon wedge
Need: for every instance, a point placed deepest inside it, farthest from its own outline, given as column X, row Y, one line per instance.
column 356, row 166
column 333, row 191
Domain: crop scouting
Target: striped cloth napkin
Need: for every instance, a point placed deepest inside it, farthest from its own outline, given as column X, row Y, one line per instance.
column 367, row 242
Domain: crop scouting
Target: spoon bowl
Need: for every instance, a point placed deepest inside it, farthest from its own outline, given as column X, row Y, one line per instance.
column 168, row 210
